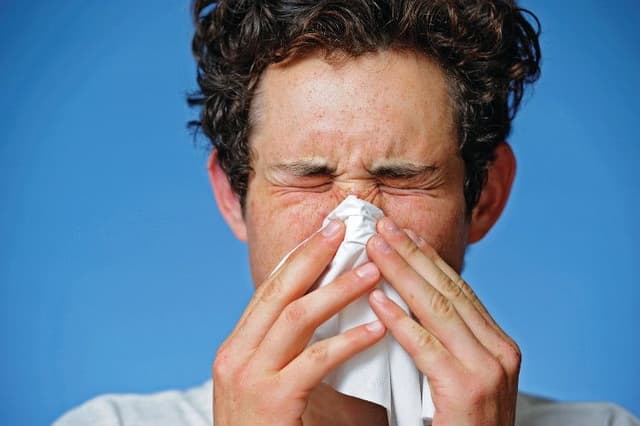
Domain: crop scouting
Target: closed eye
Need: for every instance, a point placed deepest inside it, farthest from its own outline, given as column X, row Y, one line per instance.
column 316, row 183
column 306, row 175
column 406, row 178
column 401, row 189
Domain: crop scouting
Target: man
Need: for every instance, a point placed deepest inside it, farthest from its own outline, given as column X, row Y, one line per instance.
column 407, row 105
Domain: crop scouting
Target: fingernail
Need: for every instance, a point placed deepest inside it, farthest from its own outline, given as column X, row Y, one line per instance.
column 378, row 296
column 368, row 270
column 331, row 229
column 375, row 326
column 380, row 244
column 390, row 226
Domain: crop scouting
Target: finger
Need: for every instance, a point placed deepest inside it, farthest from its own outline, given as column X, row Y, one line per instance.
column 289, row 282
column 309, row 368
column 445, row 268
column 434, row 311
column 441, row 276
column 427, row 352
column 461, row 293
column 298, row 321
column 451, row 284
column 443, row 370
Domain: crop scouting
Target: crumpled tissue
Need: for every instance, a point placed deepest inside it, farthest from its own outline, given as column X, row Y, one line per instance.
column 384, row 373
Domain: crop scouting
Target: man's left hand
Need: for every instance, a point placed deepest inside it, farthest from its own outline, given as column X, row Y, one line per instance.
column 472, row 366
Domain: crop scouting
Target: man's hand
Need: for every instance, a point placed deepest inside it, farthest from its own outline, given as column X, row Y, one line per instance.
column 471, row 364
column 264, row 372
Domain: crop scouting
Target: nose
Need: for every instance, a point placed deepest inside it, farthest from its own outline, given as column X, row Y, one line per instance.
column 365, row 191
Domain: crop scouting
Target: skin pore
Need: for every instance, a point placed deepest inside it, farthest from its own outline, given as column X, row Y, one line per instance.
column 381, row 127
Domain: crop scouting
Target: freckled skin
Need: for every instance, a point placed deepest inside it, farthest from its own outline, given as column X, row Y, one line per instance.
column 351, row 114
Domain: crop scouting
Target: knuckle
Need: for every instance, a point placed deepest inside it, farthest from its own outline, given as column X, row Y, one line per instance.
column 440, row 305
column 452, row 289
column 512, row 357
column 423, row 339
column 295, row 313
column 465, row 288
column 318, row 353
column 411, row 249
column 272, row 290
column 516, row 352
column 222, row 366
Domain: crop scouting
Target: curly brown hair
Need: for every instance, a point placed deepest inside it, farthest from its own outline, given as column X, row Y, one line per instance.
column 487, row 49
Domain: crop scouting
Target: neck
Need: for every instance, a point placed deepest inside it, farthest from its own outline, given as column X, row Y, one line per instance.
column 328, row 407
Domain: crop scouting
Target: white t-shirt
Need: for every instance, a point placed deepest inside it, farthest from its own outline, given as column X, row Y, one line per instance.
column 193, row 408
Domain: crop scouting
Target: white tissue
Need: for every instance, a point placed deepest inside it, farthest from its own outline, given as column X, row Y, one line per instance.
column 383, row 374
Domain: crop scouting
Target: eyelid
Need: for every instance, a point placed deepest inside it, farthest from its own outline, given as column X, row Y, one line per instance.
column 400, row 182
column 398, row 187
column 416, row 184
column 402, row 191
column 317, row 176
column 306, row 182
column 310, row 188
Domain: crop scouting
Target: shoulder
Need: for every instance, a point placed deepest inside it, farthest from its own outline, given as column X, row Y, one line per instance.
column 190, row 408
column 536, row 411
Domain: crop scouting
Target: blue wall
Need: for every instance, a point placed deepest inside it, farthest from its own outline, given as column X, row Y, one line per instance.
column 118, row 275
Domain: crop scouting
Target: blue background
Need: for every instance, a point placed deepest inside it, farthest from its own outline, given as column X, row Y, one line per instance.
column 117, row 273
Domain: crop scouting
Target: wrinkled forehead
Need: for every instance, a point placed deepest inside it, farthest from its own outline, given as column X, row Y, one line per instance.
column 388, row 100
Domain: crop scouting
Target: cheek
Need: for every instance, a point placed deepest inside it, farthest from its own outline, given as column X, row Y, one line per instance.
column 275, row 226
column 441, row 222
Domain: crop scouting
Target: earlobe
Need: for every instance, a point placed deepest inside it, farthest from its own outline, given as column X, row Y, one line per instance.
column 495, row 193
column 227, row 200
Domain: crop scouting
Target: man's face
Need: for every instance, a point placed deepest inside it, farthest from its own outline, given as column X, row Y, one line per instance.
column 379, row 127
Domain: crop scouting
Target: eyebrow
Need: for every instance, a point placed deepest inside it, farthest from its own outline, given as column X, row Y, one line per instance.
column 401, row 169
column 393, row 169
column 303, row 168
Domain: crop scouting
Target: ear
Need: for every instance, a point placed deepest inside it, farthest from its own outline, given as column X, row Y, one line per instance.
column 227, row 200
column 495, row 193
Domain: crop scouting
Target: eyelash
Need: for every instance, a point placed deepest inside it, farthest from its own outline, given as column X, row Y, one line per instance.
column 325, row 183
column 388, row 189
column 400, row 190
column 321, row 187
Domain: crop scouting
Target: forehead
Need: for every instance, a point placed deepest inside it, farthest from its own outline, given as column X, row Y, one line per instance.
column 389, row 104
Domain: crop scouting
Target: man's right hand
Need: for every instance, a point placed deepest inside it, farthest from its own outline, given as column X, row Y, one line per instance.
column 264, row 372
